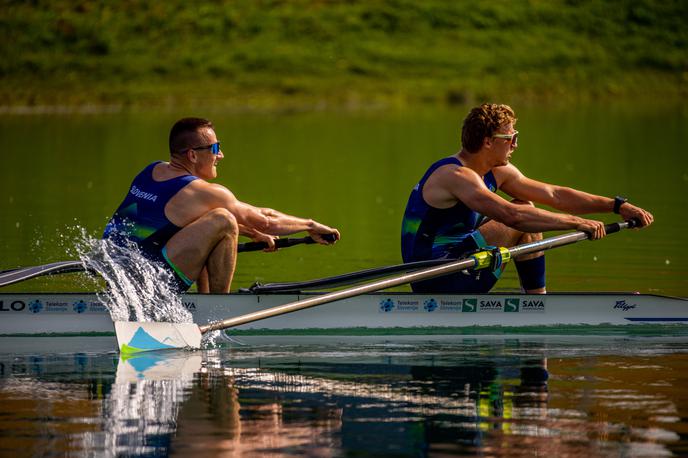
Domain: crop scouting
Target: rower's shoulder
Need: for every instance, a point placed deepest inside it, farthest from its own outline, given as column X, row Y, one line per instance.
column 449, row 180
column 201, row 188
column 159, row 170
column 505, row 172
column 445, row 170
column 451, row 173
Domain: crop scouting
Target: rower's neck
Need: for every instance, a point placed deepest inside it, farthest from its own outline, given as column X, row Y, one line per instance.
column 177, row 166
column 474, row 161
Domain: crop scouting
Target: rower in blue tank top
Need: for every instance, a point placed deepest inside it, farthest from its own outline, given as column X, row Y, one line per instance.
column 141, row 219
column 435, row 233
column 445, row 214
column 191, row 226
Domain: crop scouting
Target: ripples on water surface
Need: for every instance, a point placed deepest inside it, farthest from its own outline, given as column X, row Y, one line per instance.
column 449, row 396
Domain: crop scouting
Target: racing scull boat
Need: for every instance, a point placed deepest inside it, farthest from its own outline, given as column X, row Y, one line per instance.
column 75, row 313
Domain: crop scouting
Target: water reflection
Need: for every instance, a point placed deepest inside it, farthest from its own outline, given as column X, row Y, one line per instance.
column 140, row 413
column 396, row 408
column 222, row 415
column 506, row 398
column 317, row 406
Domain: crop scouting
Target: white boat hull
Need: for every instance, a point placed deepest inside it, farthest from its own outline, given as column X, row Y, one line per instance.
column 35, row 313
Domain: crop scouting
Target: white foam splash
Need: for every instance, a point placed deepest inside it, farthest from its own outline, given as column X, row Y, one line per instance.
column 218, row 339
column 137, row 289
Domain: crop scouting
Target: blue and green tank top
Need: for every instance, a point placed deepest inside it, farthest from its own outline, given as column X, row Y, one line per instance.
column 433, row 233
column 141, row 216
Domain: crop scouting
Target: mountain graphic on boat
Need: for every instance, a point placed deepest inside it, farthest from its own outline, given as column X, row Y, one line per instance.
column 142, row 341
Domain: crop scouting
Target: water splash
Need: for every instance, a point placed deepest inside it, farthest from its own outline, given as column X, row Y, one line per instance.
column 219, row 339
column 137, row 289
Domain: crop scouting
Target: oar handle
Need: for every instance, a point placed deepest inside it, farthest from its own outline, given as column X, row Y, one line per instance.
column 282, row 243
column 566, row 239
column 616, row 227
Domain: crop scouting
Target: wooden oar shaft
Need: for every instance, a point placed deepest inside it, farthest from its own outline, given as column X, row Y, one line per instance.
column 480, row 261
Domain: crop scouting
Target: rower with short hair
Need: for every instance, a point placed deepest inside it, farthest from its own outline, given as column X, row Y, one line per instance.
column 448, row 210
column 180, row 220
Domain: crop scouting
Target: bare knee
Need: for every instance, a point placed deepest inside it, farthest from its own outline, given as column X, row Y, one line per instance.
column 528, row 237
column 225, row 221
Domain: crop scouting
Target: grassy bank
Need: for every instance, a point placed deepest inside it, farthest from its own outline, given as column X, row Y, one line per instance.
column 334, row 54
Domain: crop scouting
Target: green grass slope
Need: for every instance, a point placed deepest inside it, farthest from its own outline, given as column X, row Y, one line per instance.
column 268, row 54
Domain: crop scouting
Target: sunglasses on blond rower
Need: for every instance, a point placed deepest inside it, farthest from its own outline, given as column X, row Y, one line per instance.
column 513, row 138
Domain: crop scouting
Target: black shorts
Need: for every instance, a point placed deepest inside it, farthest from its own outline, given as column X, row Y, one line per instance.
column 470, row 282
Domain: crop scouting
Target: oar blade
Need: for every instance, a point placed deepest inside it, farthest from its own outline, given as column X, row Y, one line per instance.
column 134, row 337
column 9, row 277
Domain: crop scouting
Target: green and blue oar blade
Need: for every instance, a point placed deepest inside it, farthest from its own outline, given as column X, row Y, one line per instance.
column 158, row 366
column 133, row 337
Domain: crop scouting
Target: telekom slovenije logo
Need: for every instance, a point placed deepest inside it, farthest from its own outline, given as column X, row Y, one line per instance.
column 79, row 306
column 430, row 305
column 386, row 305
column 35, row 306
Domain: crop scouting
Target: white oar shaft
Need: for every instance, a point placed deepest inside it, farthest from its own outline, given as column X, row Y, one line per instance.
column 343, row 294
column 424, row 274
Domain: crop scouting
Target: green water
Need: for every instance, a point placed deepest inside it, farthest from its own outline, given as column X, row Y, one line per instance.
column 354, row 172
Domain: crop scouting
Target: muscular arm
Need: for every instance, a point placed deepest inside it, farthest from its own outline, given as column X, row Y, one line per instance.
column 568, row 200
column 269, row 221
column 466, row 186
column 207, row 196
column 200, row 197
